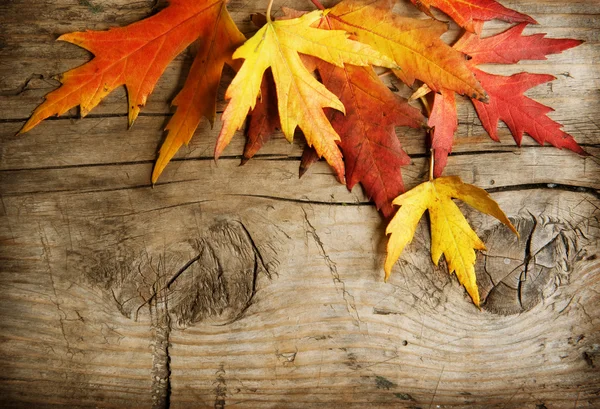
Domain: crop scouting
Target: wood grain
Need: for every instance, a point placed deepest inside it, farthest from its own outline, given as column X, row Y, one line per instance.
column 228, row 286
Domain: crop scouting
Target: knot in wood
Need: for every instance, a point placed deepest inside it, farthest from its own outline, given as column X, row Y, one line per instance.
column 210, row 278
column 515, row 275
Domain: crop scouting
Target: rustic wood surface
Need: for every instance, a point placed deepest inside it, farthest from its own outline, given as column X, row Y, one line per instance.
column 227, row 286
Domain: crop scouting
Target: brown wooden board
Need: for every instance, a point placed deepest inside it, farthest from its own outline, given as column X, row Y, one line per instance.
column 228, row 286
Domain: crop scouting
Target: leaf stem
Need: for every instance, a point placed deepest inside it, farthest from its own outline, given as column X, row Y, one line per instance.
column 269, row 7
column 426, row 105
column 318, row 4
column 430, row 133
column 431, row 164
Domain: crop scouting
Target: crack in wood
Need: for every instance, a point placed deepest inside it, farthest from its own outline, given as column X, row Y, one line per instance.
column 21, row 88
column 340, row 285
column 161, row 365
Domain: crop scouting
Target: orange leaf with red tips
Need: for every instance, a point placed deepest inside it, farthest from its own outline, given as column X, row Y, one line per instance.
column 134, row 56
column 467, row 12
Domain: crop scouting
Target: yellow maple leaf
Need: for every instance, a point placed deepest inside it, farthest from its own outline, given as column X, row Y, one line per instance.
column 451, row 234
column 301, row 98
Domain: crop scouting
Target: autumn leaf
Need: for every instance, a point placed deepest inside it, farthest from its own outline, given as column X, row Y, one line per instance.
column 309, row 158
column 372, row 151
column 301, row 98
column 263, row 120
column 219, row 38
column 451, row 234
column 444, row 122
column 414, row 44
column 134, row 56
column 507, row 101
column 511, row 46
column 466, row 13
column 520, row 113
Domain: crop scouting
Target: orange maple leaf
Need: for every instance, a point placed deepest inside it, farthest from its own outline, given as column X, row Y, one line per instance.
column 137, row 55
column 198, row 97
column 414, row 45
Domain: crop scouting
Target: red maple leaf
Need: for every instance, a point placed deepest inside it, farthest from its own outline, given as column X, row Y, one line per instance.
column 466, row 13
column 507, row 101
column 372, row 151
column 511, row 46
column 520, row 113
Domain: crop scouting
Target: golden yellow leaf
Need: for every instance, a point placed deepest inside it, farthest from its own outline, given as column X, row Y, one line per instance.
column 301, row 98
column 451, row 234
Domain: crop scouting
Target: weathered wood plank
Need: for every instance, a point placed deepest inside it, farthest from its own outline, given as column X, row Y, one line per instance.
column 320, row 326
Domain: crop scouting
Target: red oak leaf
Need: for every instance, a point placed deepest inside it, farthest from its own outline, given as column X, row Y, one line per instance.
column 467, row 12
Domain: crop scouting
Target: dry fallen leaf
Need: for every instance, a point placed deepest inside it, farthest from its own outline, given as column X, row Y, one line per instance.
column 415, row 45
column 451, row 234
column 466, row 13
column 218, row 39
column 507, row 101
column 134, row 56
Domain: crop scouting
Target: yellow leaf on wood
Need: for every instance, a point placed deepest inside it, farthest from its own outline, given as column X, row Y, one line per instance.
column 451, row 234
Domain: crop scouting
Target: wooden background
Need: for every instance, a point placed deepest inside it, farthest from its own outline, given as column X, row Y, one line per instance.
column 227, row 286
